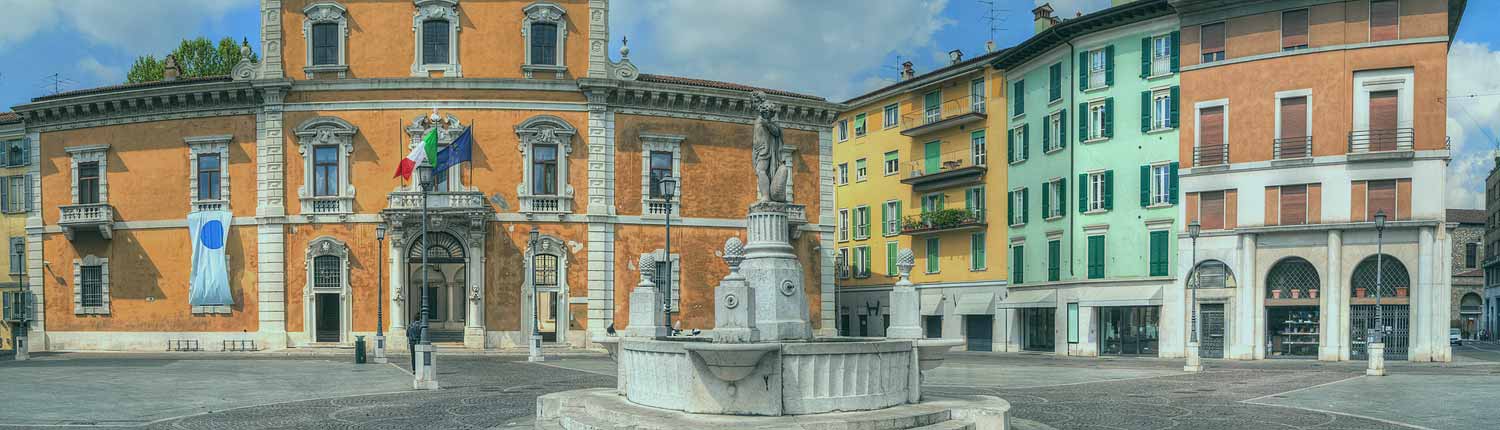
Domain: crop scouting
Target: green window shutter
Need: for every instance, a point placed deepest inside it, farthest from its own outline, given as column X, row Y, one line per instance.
column 1109, row 65
column 1083, row 192
column 1172, row 103
column 1010, row 147
column 1046, row 200
column 1018, row 93
column 884, row 227
column 1054, row 260
column 1054, row 90
column 1172, row 190
column 1173, row 43
column 1062, row 128
column 1109, row 189
column 1109, row 117
column 890, row 259
column 898, row 219
column 969, row 200
column 867, row 259
column 1159, row 255
column 932, row 255
column 976, row 251
column 1025, row 204
column 1145, row 57
column 1046, row 134
column 1083, row 121
column 1017, row 264
column 1145, row 185
column 1096, row 257
column 1145, row 111
column 1010, row 208
column 931, row 160
column 1062, row 196
column 1025, row 141
column 1083, row 71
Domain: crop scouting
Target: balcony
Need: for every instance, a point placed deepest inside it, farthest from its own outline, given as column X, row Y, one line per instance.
column 210, row 205
column 945, row 115
column 1292, row 148
column 1381, row 144
column 412, row 200
column 943, row 220
column 88, row 216
column 1216, row 155
column 946, row 170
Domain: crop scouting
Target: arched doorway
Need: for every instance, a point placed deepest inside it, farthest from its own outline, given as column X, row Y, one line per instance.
column 445, row 277
column 547, row 267
column 1394, row 288
column 1293, row 311
column 1470, row 306
column 1212, row 319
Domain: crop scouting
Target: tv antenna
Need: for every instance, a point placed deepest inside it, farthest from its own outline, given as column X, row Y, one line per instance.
column 895, row 69
column 56, row 83
column 994, row 17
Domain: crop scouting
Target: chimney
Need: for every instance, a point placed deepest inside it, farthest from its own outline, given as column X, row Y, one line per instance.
column 907, row 72
column 1042, row 17
column 955, row 56
column 169, row 69
column 989, row 46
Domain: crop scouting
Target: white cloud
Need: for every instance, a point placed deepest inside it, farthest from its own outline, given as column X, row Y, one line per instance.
column 817, row 47
column 102, row 74
column 23, row 18
column 135, row 27
column 1470, row 121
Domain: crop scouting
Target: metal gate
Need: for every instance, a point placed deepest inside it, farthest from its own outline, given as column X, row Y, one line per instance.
column 1396, row 317
column 1211, row 338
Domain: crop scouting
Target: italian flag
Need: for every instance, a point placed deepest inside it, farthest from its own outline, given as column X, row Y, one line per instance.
column 424, row 154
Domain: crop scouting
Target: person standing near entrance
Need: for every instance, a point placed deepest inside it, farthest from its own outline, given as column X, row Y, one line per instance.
column 413, row 335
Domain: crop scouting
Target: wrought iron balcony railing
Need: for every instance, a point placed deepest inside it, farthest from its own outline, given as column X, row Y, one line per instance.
column 1211, row 155
column 1397, row 139
column 967, row 107
column 1292, row 147
column 942, row 220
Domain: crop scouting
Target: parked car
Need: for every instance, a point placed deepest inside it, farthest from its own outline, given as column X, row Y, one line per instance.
column 1455, row 337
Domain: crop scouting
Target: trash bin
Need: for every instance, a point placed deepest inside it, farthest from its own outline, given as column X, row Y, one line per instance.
column 359, row 350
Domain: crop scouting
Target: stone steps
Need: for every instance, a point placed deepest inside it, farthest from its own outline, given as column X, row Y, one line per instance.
column 602, row 409
column 949, row 425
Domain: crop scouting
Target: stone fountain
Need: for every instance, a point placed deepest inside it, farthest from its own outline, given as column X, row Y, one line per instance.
column 763, row 368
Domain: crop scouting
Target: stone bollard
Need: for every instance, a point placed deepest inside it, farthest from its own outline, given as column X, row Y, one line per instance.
column 1376, row 353
column 1194, row 363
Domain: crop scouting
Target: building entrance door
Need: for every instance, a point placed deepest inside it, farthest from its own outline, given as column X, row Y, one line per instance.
column 1129, row 330
column 1211, row 336
column 445, row 288
column 327, row 329
column 1362, row 317
column 1038, row 329
column 978, row 330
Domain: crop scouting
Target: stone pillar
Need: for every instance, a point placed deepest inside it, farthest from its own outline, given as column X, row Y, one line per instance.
column 775, row 273
column 1194, row 362
column 1249, row 322
column 826, row 204
column 906, row 304
column 397, row 288
column 734, row 300
column 35, row 332
column 647, row 318
column 425, row 374
column 598, row 38
column 601, row 186
column 1334, row 301
column 474, row 293
column 1421, row 313
column 270, row 210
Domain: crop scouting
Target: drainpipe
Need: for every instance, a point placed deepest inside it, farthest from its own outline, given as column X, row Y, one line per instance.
column 1072, row 151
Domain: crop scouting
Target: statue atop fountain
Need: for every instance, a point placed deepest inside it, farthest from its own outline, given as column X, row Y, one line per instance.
column 770, row 266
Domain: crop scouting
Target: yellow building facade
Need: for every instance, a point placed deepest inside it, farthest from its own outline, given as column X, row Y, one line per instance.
column 914, row 168
column 14, row 207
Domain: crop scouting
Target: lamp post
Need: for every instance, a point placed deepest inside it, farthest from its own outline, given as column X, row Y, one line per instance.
column 426, row 372
column 534, row 348
column 379, row 297
column 1194, row 361
column 668, row 191
column 1376, row 350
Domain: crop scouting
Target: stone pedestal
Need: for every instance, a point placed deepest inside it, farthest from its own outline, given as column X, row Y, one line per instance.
column 380, row 350
column 773, row 271
column 1376, row 353
column 906, row 305
column 23, row 348
column 734, row 300
column 1194, row 363
column 425, row 374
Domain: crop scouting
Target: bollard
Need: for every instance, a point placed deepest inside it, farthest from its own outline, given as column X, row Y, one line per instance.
column 359, row 350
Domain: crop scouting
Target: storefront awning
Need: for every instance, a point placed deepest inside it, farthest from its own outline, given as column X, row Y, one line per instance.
column 1030, row 299
column 932, row 304
column 1122, row 296
column 976, row 304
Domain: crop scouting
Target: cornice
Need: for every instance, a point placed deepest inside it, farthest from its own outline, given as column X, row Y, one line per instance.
column 191, row 100
column 713, row 104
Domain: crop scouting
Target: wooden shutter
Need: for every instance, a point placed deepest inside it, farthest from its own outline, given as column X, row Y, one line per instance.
column 1381, row 195
column 1145, row 111
column 1145, row 185
column 1020, row 95
column 1211, row 210
column 1383, row 120
column 1176, row 60
column 1212, row 38
column 1294, row 28
column 1211, row 135
column 1293, row 118
column 1109, row 189
column 1083, row 121
column 1025, row 141
column 1109, row 117
column 1010, row 146
column 1083, row 71
column 1173, row 96
column 1293, row 204
column 1062, row 196
column 1055, row 87
column 1046, row 200
column 1083, row 192
column 1146, row 56
column 1062, row 129
column 1010, row 207
column 1025, row 204
column 1384, row 19
column 1109, row 65
column 1172, row 190
column 5, row 195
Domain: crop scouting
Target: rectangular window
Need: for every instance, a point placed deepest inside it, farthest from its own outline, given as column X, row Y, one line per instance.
column 1018, row 98
column 18, row 255
column 1381, row 196
column 1471, row 255
column 88, row 183
column 661, row 168
column 977, row 150
column 1211, row 40
column 843, row 225
column 208, row 177
column 859, row 125
column 843, row 173
column 1017, row 207
column 1294, row 30
column 1161, row 109
column 844, row 264
column 932, row 254
column 976, row 95
column 932, row 107
column 862, row 223
column 1017, row 264
column 1293, row 205
column 976, row 252
column 1054, row 83
column 974, row 201
column 1097, row 190
column 892, row 250
column 325, row 44
column 1161, row 55
column 91, row 286
column 435, row 41
column 892, row 163
column 544, row 43
column 861, row 261
column 843, row 129
column 1096, row 120
column 1097, row 63
column 1096, row 257
column 1161, row 255
column 860, row 172
column 16, row 153
column 1072, row 323
column 1211, row 210
column 1384, row 120
column 1017, row 144
column 1211, row 148
column 15, row 194
column 1292, row 140
column 891, row 217
column 892, row 113
column 1385, row 19
column 932, row 202
column 1055, row 132
column 1054, row 199
column 1054, row 260
column 544, row 170
column 1161, row 184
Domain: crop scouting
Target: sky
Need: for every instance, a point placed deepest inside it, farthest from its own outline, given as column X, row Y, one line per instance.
column 837, row 49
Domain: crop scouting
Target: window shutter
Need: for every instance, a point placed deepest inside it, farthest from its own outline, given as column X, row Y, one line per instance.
column 885, row 227
column 1025, row 141
column 1383, row 20
column 898, row 219
column 1083, row 121
column 1046, row 134
column 1145, row 185
column 1062, row 128
column 1010, row 147
column 4, row 195
column 1145, row 111
column 1083, row 71
column 1109, row 65
column 1010, row 207
column 1109, row 117
column 5, row 153
column 1109, row 189
column 1175, row 54
column 1019, row 94
column 1172, row 104
column 1172, row 190
column 1055, row 87
column 1062, row 196
column 1294, row 28
column 1025, row 204
column 1145, row 57
column 1083, row 192
column 1046, row 200
column 867, row 260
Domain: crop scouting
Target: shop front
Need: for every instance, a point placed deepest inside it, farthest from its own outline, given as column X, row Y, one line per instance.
column 1129, row 319
column 1033, row 314
column 978, row 311
column 1394, row 288
column 1293, row 312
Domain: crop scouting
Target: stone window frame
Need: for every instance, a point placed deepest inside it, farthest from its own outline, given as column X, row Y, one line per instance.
column 660, row 143
column 90, row 154
column 326, row 12
column 436, row 9
column 78, row 264
column 215, row 145
column 676, row 279
column 326, row 131
column 555, row 247
column 321, row 247
column 545, row 129
column 545, row 12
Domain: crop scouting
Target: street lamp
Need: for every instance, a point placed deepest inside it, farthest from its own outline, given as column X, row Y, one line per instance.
column 668, row 191
column 1376, row 351
column 379, row 297
column 535, row 346
column 1194, row 361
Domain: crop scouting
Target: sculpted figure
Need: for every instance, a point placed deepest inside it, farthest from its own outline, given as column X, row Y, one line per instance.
column 771, row 173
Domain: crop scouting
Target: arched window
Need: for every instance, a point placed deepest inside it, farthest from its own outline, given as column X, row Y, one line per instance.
column 441, row 248
column 1211, row 274
column 1394, row 280
column 1292, row 278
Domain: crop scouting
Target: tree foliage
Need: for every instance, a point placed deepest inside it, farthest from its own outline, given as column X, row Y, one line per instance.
column 195, row 58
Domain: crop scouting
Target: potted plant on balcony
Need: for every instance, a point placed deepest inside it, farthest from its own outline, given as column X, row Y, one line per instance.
column 1296, row 293
column 1401, row 291
column 1312, row 293
column 1359, row 292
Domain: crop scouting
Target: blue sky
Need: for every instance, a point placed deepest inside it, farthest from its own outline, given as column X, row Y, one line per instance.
column 832, row 48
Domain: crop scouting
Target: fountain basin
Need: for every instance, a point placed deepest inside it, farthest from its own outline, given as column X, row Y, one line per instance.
column 932, row 352
column 611, row 345
column 731, row 362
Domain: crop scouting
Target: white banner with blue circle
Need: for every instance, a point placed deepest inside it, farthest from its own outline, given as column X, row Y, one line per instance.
column 210, row 277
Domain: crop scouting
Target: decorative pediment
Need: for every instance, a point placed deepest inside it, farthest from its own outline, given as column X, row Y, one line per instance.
column 544, row 12
column 551, row 245
column 326, row 130
column 327, row 246
column 547, row 130
column 324, row 12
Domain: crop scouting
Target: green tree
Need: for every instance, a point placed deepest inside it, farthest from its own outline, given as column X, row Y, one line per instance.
column 195, row 58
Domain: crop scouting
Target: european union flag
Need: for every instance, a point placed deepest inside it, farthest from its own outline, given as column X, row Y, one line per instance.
column 461, row 150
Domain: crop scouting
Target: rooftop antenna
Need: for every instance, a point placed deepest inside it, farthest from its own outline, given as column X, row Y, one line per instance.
column 56, row 83
column 894, row 69
column 994, row 16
